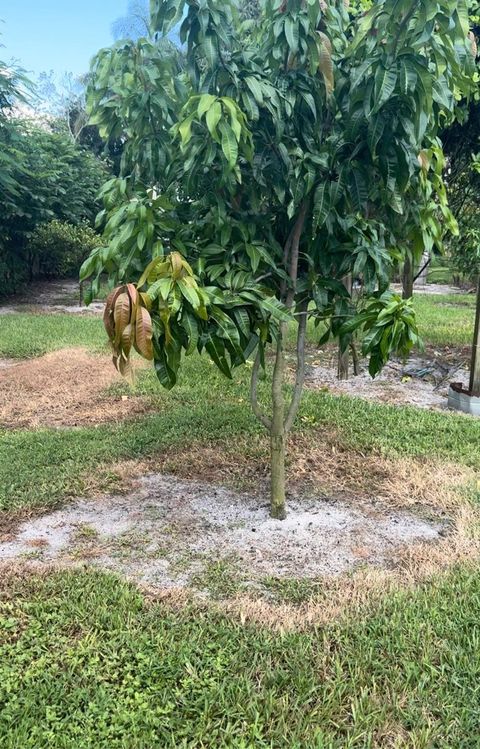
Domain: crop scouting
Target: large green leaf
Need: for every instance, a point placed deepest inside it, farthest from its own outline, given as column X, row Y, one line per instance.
column 385, row 82
column 229, row 144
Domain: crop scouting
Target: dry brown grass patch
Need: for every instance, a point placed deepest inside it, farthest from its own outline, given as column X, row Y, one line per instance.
column 61, row 389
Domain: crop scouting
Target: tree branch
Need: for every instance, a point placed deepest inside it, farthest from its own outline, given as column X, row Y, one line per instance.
column 295, row 252
column 254, row 393
column 300, row 378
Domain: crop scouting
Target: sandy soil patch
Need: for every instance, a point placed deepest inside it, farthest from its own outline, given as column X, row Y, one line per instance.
column 167, row 532
column 50, row 297
column 421, row 381
column 63, row 388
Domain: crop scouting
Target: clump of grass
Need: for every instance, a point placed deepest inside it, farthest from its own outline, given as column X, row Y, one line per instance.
column 220, row 578
column 292, row 590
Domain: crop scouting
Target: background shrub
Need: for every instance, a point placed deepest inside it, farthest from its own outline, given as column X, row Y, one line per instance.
column 57, row 249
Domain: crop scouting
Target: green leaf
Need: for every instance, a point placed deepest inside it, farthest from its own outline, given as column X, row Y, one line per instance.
column 358, row 190
column 205, row 103
column 185, row 130
column 385, row 82
column 191, row 294
column 254, row 86
column 320, row 206
column 216, row 350
column 164, row 373
column 190, row 325
column 229, row 144
column 254, row 256
column 214, row 115
column 275, row 308
column 292, row 34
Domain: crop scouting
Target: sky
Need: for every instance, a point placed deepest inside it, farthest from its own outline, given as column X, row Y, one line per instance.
column 58, row 35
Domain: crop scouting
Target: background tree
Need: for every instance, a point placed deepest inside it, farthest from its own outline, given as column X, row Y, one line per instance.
column 290, row 154
column 135, row 23
column 52, row 178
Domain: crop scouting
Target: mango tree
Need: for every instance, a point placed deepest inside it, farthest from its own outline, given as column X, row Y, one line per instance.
column 275, row 157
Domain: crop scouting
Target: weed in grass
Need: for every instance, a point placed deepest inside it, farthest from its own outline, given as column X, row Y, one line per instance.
column 292, row 590
column 85, row 533
column 221, row 578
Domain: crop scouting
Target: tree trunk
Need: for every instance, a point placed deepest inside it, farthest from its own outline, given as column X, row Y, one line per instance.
column 343, row 368
column 408, row 278
column 475, row 365
column 277, row 433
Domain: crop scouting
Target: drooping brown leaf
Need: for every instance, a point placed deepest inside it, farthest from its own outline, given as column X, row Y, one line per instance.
column 473, row 44
column 325, row 41
column 424, row 161
column 125, row 368
column 108, row 319
column 326, row 64
column 177, row 265
column 122, row 315
column 146, row 300
column 128, row 337
column 143, row 333
column 133, row 294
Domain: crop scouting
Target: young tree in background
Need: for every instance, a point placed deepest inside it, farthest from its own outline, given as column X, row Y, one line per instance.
column 290, row 154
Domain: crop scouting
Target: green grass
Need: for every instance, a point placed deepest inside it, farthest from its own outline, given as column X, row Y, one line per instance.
column 440, row 274
column 39, row 468
column 446, row 320
column 26, row 335
column 86, row 663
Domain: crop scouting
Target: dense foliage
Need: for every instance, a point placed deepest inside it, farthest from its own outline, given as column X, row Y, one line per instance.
column 57, row 249
column 291, row 153
column 50, row 177
column 44, row 175
column 462, row 143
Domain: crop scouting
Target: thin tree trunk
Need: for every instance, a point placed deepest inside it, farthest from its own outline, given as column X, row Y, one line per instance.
column 343, row 368
column 281, row 421
column 475, row 365
column 277, row 433
column 356, row 363
column 407, row 278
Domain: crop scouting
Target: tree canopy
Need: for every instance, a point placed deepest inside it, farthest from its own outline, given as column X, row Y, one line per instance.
column 289, row 152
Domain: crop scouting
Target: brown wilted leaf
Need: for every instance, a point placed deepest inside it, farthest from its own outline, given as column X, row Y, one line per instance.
column 143, row 333
column 121, row 315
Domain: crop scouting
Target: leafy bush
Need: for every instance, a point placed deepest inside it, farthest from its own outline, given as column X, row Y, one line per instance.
column 465, row 252
column 59, row 248
column 52, row 178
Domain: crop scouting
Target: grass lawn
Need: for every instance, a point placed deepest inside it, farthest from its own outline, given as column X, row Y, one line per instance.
column 446, row 320
column 38, row 468
column 25, row 335
column 86, row 662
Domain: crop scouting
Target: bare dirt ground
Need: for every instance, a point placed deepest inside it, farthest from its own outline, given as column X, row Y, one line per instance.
column 422, row 381
column 50, row 297
column 434, row 288
column 167, row 533
column 63, row 388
